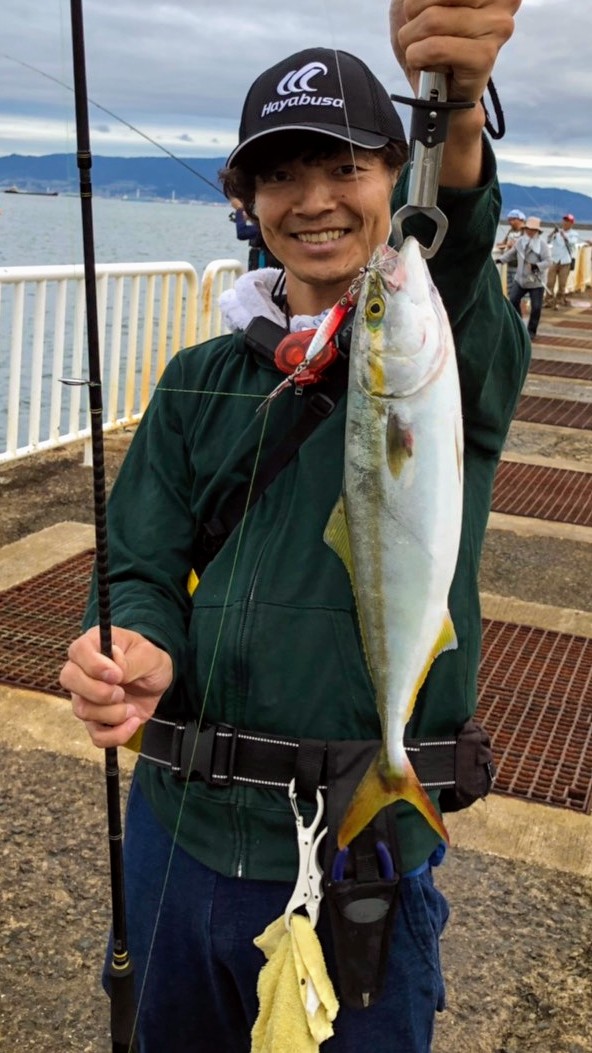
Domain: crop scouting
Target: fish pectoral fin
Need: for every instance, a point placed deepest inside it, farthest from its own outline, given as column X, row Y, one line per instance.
column 399, row 444
column 381, row 787
column 336, row 536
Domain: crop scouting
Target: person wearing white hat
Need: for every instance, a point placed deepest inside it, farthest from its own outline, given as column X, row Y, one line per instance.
column 516, row 220
column 563, row 242
column 532, row 256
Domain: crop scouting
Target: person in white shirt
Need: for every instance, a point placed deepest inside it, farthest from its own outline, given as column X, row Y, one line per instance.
column 563, row 242
column 516, row 219
column 532, row 256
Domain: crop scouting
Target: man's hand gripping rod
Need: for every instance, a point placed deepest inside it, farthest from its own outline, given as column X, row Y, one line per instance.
column 429, row 125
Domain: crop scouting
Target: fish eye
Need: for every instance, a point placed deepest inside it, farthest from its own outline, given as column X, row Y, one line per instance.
column 375, row 309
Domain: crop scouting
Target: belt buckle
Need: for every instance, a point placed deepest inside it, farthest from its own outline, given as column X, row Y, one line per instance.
column 183, row 750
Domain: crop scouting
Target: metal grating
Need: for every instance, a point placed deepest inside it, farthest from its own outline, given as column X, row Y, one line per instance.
column 543, row 493
column 535, row 699
column 38, row 621
column 572, row 323
column 554, row 368
column 559, row 412
column 535, row 686
column 579, row 342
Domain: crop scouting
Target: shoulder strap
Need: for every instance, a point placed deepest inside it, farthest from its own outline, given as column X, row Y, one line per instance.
column 567, row 243
column 318, row 404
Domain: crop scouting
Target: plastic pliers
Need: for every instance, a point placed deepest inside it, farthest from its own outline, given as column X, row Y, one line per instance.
column 308, row 891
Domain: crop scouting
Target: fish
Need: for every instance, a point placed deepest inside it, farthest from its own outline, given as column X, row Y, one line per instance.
column 397, row 524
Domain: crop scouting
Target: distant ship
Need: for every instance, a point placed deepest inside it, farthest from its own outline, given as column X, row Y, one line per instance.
column 36, row 193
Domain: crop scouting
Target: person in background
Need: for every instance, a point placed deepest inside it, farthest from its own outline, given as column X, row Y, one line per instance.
column 563, row 242
column 268, row 648
column 247, row 229
column 516, row 220
column 532, row 256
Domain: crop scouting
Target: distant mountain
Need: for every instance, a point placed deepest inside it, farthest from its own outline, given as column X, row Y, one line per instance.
column 550, row 203
column 164, row 178
column 143, row 177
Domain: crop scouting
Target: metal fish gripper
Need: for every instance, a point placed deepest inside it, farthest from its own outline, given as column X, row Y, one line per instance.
column 429, row 126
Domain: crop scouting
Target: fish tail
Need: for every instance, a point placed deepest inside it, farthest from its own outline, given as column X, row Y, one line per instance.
column 380, row 787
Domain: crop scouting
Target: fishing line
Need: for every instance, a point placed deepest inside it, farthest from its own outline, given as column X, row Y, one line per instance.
column 122, row 120
column 199, row 391
column 200, row 717
column 239, row 545
column 214, row 660
column 135, row 1009
column 330, row 24
column 213, row 663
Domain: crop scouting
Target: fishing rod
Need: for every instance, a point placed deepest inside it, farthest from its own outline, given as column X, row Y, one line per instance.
column 121, row 968
column 117, row 117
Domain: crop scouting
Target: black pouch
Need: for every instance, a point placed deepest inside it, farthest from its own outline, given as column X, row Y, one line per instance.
column 572, row 264
column 361, row 882
column 474, row 769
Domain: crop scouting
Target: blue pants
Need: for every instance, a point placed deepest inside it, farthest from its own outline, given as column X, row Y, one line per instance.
column 517, row 294
column 199, row 993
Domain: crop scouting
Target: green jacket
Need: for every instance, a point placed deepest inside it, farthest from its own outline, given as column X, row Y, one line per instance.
column 269, row 641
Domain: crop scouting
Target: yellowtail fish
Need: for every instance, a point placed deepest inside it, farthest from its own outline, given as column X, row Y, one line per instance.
column 397, row 527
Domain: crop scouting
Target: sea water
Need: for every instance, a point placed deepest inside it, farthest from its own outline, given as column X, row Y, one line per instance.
column 37, row 231
column 41, row 231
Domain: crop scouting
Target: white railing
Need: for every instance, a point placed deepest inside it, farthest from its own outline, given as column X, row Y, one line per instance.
column 147, row 311
column 217, row 277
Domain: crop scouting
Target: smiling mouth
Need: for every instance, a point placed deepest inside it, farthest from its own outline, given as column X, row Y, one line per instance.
column 320, row 237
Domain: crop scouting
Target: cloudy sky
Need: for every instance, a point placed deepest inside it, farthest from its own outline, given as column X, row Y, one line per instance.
column 178, row 70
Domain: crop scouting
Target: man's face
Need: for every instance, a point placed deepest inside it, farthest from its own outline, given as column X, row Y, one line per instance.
column 531, row 231
column 516, row 224
column 567, row 224
column 322, row 219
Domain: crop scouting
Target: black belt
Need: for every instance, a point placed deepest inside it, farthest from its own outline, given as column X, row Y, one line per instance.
column 221, row 755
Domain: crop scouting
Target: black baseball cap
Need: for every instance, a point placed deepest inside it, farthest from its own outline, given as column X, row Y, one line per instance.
column 319, row 90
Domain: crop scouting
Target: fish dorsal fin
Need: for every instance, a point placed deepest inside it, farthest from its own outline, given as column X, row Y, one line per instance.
column 445, row 641
column 336, row 536
column 399, row 444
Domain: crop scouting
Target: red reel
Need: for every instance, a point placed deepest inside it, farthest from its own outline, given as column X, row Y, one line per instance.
column 291, row 351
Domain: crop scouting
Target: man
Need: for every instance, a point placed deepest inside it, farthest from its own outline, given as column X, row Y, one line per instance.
column 563, row 242
column 533, row 258
column 516, row 220
column 269, row 641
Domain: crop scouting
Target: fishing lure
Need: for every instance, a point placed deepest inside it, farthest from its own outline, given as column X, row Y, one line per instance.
column 307, row 354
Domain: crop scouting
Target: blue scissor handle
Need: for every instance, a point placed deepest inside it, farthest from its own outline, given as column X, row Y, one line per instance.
column 385, row 863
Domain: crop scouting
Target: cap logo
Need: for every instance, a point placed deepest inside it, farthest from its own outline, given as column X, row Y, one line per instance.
column 296, row 85
column 298, row 80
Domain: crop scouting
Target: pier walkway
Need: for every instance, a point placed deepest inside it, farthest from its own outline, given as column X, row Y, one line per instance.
column 520, row 873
